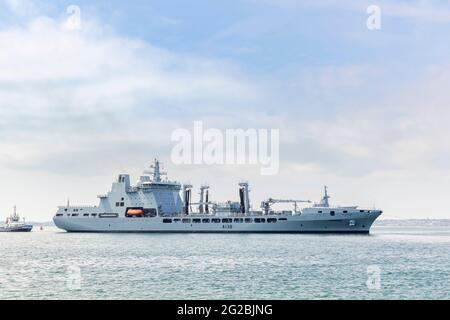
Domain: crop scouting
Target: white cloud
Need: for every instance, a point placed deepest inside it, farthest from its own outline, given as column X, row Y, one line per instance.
column 78, row 106
column 50, row 76
column 405, row 129
column 86, row 103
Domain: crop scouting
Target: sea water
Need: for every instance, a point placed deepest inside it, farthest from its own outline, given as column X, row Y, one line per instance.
column 393, row 262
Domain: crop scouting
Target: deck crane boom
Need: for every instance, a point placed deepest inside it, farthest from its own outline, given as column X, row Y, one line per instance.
column 265, row 205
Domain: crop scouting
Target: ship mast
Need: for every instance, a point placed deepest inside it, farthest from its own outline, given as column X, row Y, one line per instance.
column 155, row 171
column 325, row 198
column 15, row 217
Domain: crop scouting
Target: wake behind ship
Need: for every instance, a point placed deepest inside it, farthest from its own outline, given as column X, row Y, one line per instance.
column 155, row 205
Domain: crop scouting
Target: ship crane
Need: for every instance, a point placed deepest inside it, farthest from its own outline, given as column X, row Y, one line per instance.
column 266, row 205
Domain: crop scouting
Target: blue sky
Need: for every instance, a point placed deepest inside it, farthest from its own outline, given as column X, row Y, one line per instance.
column 272, row 35
column 363, row 111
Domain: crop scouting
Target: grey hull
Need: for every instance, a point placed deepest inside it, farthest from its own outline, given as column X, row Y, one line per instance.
column 17, row 229
column 357, row 223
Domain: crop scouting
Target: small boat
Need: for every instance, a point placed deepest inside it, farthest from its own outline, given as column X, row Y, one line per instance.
column 13, row 224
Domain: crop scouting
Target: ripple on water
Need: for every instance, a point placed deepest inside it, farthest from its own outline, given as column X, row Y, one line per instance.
column 413, row 264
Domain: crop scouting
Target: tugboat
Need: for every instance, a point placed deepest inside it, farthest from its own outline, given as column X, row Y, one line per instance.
column 13, row 224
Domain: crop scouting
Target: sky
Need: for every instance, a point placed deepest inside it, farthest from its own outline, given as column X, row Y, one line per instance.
column 365, row 112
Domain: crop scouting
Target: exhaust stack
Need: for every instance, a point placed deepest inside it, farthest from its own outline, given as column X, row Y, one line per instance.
column 187, row 188
column 203, row 205
column 244, row 197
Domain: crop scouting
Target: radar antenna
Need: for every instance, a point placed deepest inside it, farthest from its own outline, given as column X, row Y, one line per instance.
column 324, row 202
column 155, row 170
column 15, row 216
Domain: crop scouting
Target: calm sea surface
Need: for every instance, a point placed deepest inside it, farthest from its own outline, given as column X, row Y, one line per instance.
column 391, row 263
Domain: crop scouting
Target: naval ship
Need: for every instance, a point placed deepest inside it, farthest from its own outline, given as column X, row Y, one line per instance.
column 156, row 204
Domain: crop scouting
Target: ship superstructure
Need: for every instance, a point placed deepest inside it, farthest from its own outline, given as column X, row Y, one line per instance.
column 156, row 204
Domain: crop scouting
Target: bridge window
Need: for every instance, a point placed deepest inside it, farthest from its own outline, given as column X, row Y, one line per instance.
column 205, row 220
column 238, row 220
column 86, row 215
column 271, row 220
column 345, row 211
column 93, row 214
column 320, row 211
column 248, row 220
column 215, row 220
column 176, row 220
column 226, row 220
column 260, row 220
column 59, row 215
column 196, row 220
column 74, row 214
column 186, row 220
column 167, row 220
column 282, row 219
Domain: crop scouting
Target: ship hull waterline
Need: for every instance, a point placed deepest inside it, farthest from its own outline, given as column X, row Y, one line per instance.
column 294, row 224
column 24, row 229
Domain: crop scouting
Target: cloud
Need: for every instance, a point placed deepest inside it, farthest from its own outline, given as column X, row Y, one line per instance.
column 62, row 88
column 101, row 81
column 78, row 106
column 405, row 130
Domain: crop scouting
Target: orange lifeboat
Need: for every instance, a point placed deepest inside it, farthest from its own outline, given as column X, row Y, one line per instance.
column 135, row 212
